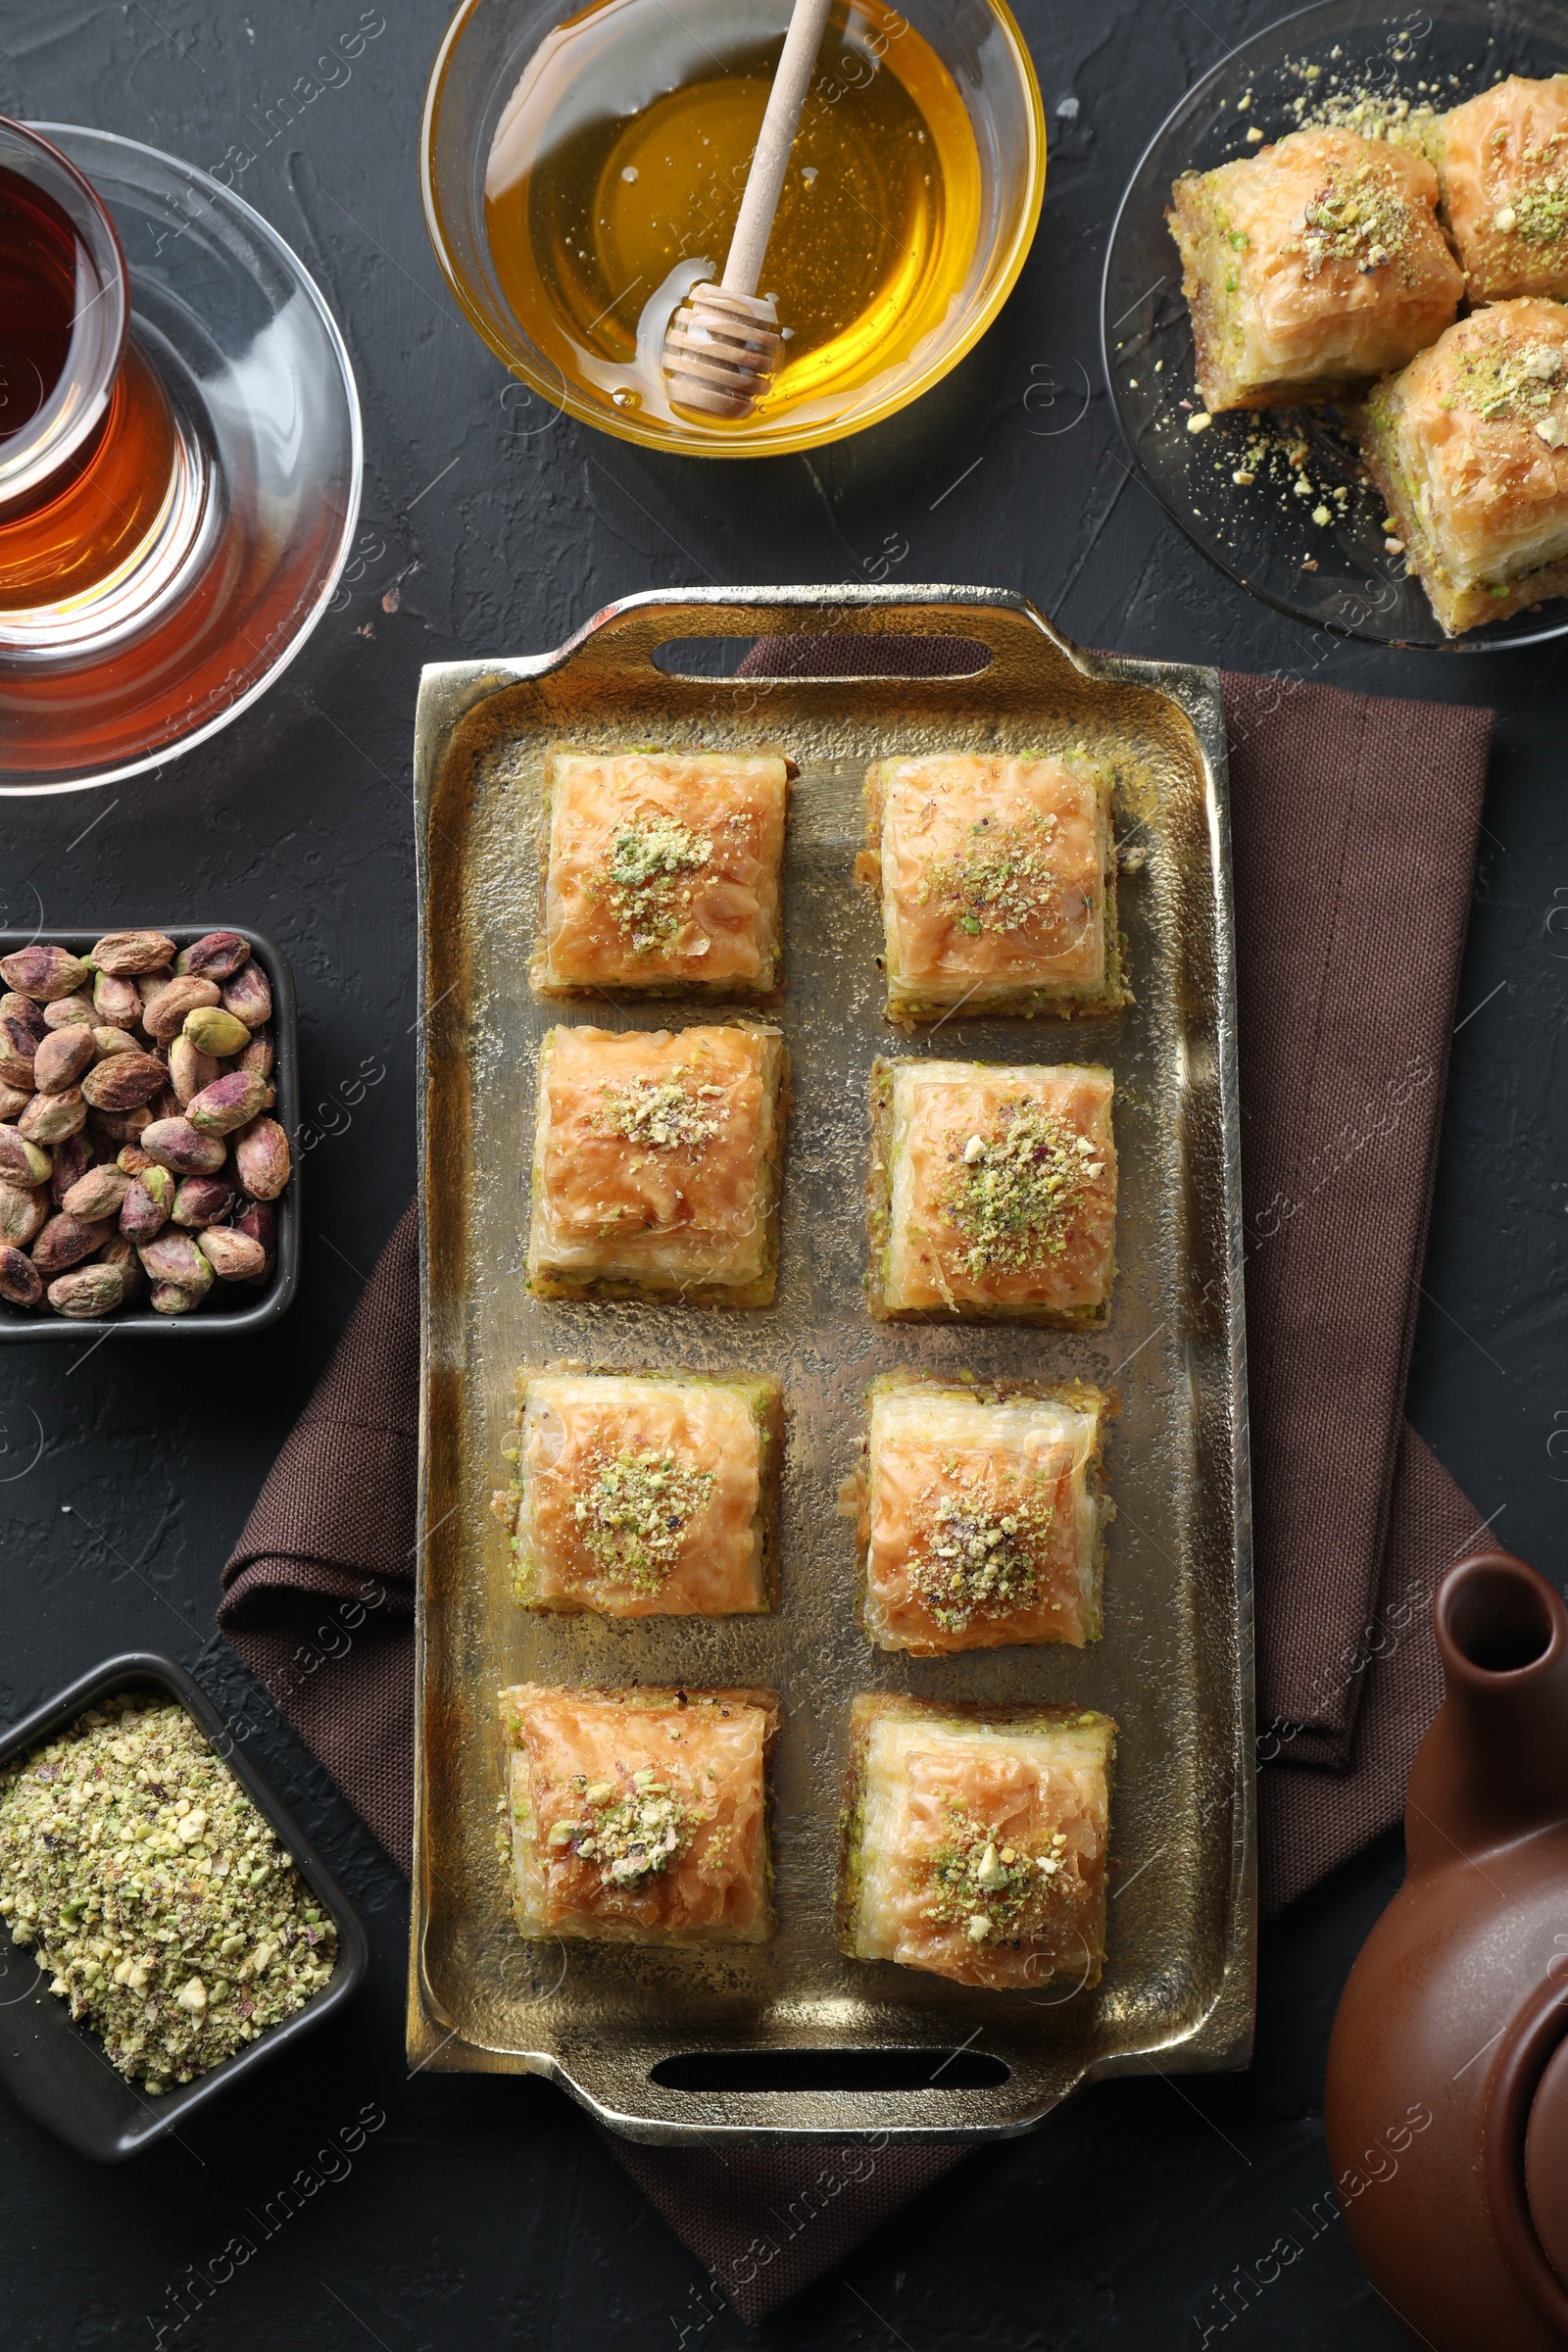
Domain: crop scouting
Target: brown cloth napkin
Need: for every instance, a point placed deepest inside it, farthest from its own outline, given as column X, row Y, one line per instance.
column 1353, row 823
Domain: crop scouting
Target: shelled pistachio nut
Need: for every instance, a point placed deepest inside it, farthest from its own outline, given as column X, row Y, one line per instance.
column 201, row 1201
column 50, row 1118
column 24, row 1211
column 98, row 1193
column 18, row 1050
column 132, row 952
column 62, row 1059
column 145, row 1208
column 21, row 1162
column 260, row 1053
column 189, row 1068
column 230, row 1102
column 234, row 1257
column 118, row 1252
column 216, row 955
column 116, row 1127
column 72, row 1158
column 68, row 1012
column 213, row 1031
column 163, row 1014
column 125, row 1081
column 115, row 1041
column 90, row 1290
column 174, row 1257
column 65, row 1240
column 44, row 972
column 249, row 996
column 19, row 1279
column 115, row 1001
column 13, row 1100
column 133, row 1159
column 261, row 1155
column 14, row 1007
column 182, row 1149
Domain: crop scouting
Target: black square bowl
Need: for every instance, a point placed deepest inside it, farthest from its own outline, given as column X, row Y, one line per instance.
column 229, row 1306
column 58, row 2071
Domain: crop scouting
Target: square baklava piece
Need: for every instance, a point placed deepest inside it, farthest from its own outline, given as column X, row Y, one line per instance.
column 1315, row 265
column 1469, row 447
column 997, row 884
column 646, row 1495
column 662, row 873
column 975, row 1840
column 993, row 1191
column 1502, row 160
column 639, row 1816
column 657, row 1163
column 980, row 1514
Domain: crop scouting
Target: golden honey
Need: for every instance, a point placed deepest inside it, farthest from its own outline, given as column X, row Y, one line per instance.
column 618, row 169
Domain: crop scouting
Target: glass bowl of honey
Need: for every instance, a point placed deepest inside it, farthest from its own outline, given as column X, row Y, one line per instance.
column 582, row 173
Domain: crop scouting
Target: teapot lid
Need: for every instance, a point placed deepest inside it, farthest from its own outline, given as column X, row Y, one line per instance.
column 1547, row 2160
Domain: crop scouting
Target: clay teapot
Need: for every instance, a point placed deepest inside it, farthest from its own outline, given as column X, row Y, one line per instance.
column 1447, row 2101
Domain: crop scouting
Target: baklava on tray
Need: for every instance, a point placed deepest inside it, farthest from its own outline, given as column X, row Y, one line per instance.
column 662, row 873
column 981, row 1517
column 656, row 1169
column 975, row 1840
column 1469, row 447
column 997, row 884
column 639, row 1816
column 1315, row 265
column 654, row 1495
column 1502, row 160
column 993, row 1191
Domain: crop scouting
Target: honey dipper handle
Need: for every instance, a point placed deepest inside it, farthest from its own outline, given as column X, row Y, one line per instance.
column 765, row 183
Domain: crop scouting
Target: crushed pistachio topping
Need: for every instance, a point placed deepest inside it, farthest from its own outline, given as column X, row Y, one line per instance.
column 662, row 1112
column 978, row 1557
column 1538, row 213
column 637, row 1512
column 158, row 1899
column 629, row 1834
column 646, row 878
column 1514, row 381
column 1000, row 884
column 1365, row 221
column 990, row 1890
column 1013, row 1195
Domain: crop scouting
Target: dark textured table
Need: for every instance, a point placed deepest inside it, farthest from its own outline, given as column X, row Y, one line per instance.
column 481, row 2212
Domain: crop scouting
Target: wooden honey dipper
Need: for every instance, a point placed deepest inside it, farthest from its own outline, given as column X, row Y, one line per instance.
column 722, row 346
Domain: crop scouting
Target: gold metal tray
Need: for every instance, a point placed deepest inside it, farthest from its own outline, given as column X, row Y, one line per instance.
column 618, row 2026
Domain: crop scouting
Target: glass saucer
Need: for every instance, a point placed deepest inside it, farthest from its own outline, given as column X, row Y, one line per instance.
column 261, row 388
column 1258, row 533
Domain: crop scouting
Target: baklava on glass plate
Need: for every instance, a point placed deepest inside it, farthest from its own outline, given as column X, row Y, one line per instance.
column 1333, row 555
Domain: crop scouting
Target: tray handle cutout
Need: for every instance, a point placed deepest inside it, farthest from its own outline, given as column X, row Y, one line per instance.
column 825, row 653
column 704, row 2072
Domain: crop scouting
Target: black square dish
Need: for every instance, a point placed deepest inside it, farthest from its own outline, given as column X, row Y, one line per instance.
column 56, row 2070
column 229, row 1307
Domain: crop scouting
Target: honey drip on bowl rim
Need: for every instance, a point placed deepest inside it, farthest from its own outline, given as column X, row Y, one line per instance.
column 616, row 173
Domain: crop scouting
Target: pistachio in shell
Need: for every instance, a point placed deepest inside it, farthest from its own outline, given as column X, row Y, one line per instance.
column 72, row 1158
column 50, row 1118
column 163, row 1014
column 260, row 1053
column 234, row 1257
column 115, row 1001
column 69, row 1013
column 89, row 1290
column 22, row 1009
column 216, row 955
column 202, row 1201
column 21, row 1161
column 261, row 1158
column 125, row 1081
column 230, row 1102
column 249, row 996
column 45, row 973
column 132, row 952
column 149, row 1198
column 189, row 1068
column 65, row 1240
column 183, row 1149
column 98, row 1193
column 17, row 1050
column 213, row 1031
column 62, row 1058
column 23, row 1212
column 175, row 1257
column 19, row 1279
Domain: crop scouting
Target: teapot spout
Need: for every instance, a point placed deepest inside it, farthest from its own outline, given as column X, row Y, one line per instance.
column 1495, row 1765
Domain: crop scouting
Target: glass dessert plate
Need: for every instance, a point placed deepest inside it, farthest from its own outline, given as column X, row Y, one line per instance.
column 1258, row 533
column 261, row 388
